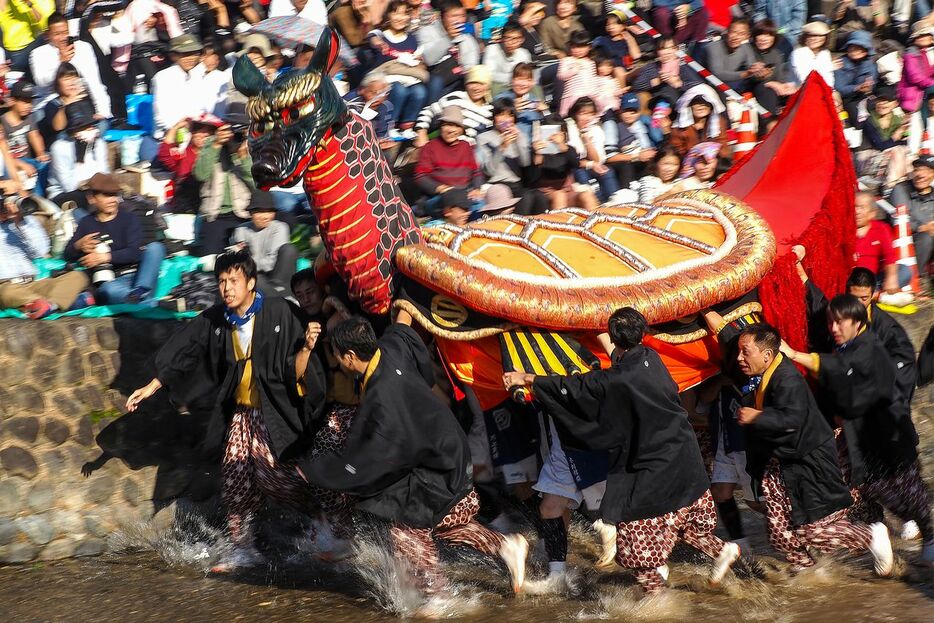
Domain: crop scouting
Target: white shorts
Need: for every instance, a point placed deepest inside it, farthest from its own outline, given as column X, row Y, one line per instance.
column 556, row 477
column 525, row 470
column 479, row 446
column 731, row 468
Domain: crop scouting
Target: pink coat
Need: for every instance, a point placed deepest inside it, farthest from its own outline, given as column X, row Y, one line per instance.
column 917, row 77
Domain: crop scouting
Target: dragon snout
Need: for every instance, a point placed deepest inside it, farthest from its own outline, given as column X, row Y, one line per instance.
column 266, row 172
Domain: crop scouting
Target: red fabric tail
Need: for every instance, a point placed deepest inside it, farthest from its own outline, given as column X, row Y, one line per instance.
column 800, row 178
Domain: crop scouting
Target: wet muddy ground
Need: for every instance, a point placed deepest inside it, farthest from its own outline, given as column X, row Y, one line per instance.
column 160, row 578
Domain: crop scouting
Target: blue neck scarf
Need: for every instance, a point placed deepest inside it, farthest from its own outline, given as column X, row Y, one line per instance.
column 752, row 385
column 237, row 320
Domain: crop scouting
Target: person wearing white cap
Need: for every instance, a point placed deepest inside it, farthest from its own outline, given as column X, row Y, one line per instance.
column 918, row 70
column 812, row 53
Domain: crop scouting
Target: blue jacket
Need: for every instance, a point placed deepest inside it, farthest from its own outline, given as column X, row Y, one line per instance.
column 789, row 15
column 851, row 75
column 671, row 4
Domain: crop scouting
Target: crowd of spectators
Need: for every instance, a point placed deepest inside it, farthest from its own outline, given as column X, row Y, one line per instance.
column 538, row 105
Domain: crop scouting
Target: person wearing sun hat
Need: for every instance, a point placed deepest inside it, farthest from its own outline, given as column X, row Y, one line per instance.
column 268, row 242
column 173, row 87
column 918, row 70
column 447, row 163
column 813, row 54
column 498, row 200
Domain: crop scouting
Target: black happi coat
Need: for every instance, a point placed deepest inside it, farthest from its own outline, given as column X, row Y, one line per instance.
column 199, row 362
column 792, row 429
column 893, row 337
column 859, row 384
column 633, row 411
column 926, row 360
column 406, row 457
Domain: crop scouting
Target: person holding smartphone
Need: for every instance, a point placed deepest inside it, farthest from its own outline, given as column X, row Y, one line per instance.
column 62, row 48
column 505, row 155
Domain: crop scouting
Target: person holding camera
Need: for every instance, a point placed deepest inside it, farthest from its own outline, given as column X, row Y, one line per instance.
column 179, row 158
column 223, row 169
column 23, row 240
column 107, row 243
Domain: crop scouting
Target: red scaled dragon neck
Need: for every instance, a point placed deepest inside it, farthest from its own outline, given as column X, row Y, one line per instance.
column 363, row 219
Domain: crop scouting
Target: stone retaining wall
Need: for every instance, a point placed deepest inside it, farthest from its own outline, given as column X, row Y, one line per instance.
column 61, row 384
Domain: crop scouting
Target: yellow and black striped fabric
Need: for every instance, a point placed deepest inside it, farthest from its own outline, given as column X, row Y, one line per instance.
column 543, row 353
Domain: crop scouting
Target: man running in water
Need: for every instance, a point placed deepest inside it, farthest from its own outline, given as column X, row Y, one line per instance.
column 406, row 458
column 657, row 490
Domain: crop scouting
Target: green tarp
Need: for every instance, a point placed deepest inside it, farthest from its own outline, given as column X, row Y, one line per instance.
column 170, row 275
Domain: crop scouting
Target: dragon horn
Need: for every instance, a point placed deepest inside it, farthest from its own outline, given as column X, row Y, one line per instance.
column 247, row 77
column 325, row 53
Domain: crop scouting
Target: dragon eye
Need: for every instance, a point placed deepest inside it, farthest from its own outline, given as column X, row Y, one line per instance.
column 290, row 115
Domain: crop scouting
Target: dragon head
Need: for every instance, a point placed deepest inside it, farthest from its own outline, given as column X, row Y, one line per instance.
column 290, row 115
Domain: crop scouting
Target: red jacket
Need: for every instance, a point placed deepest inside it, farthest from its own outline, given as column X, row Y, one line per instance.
column 181, row 163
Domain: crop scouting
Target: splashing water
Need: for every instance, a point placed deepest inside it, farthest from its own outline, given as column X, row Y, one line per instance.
column 189, row 542
column 389, row 583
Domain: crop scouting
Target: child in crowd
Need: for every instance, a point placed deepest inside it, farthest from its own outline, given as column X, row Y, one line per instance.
column 398, row 56
column 586, row 136
column 577, row 73
column 529, row 107
column 700, row 167
column 609, row 88
column 619, row 45
column 456, row 207
column 556, row 162
column 268, row 242
column 661, row 175
column 23, row 137
column 628, row 144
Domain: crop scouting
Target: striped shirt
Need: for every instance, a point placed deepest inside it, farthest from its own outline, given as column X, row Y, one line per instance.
column 477, row 117
column 579, row 77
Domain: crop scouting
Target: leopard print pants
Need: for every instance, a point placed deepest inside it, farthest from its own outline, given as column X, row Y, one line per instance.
column 250, row 471
column 645, row 544
column 835, row 531
column 905, row 495
column 337, row 506
column 903, row 492
column 417, row 548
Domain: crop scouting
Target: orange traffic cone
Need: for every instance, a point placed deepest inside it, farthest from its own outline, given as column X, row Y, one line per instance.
column 925, row 149
column 745, row 131
column 905, row 245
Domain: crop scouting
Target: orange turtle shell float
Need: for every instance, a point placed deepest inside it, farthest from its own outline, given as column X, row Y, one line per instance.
column 569, row 270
